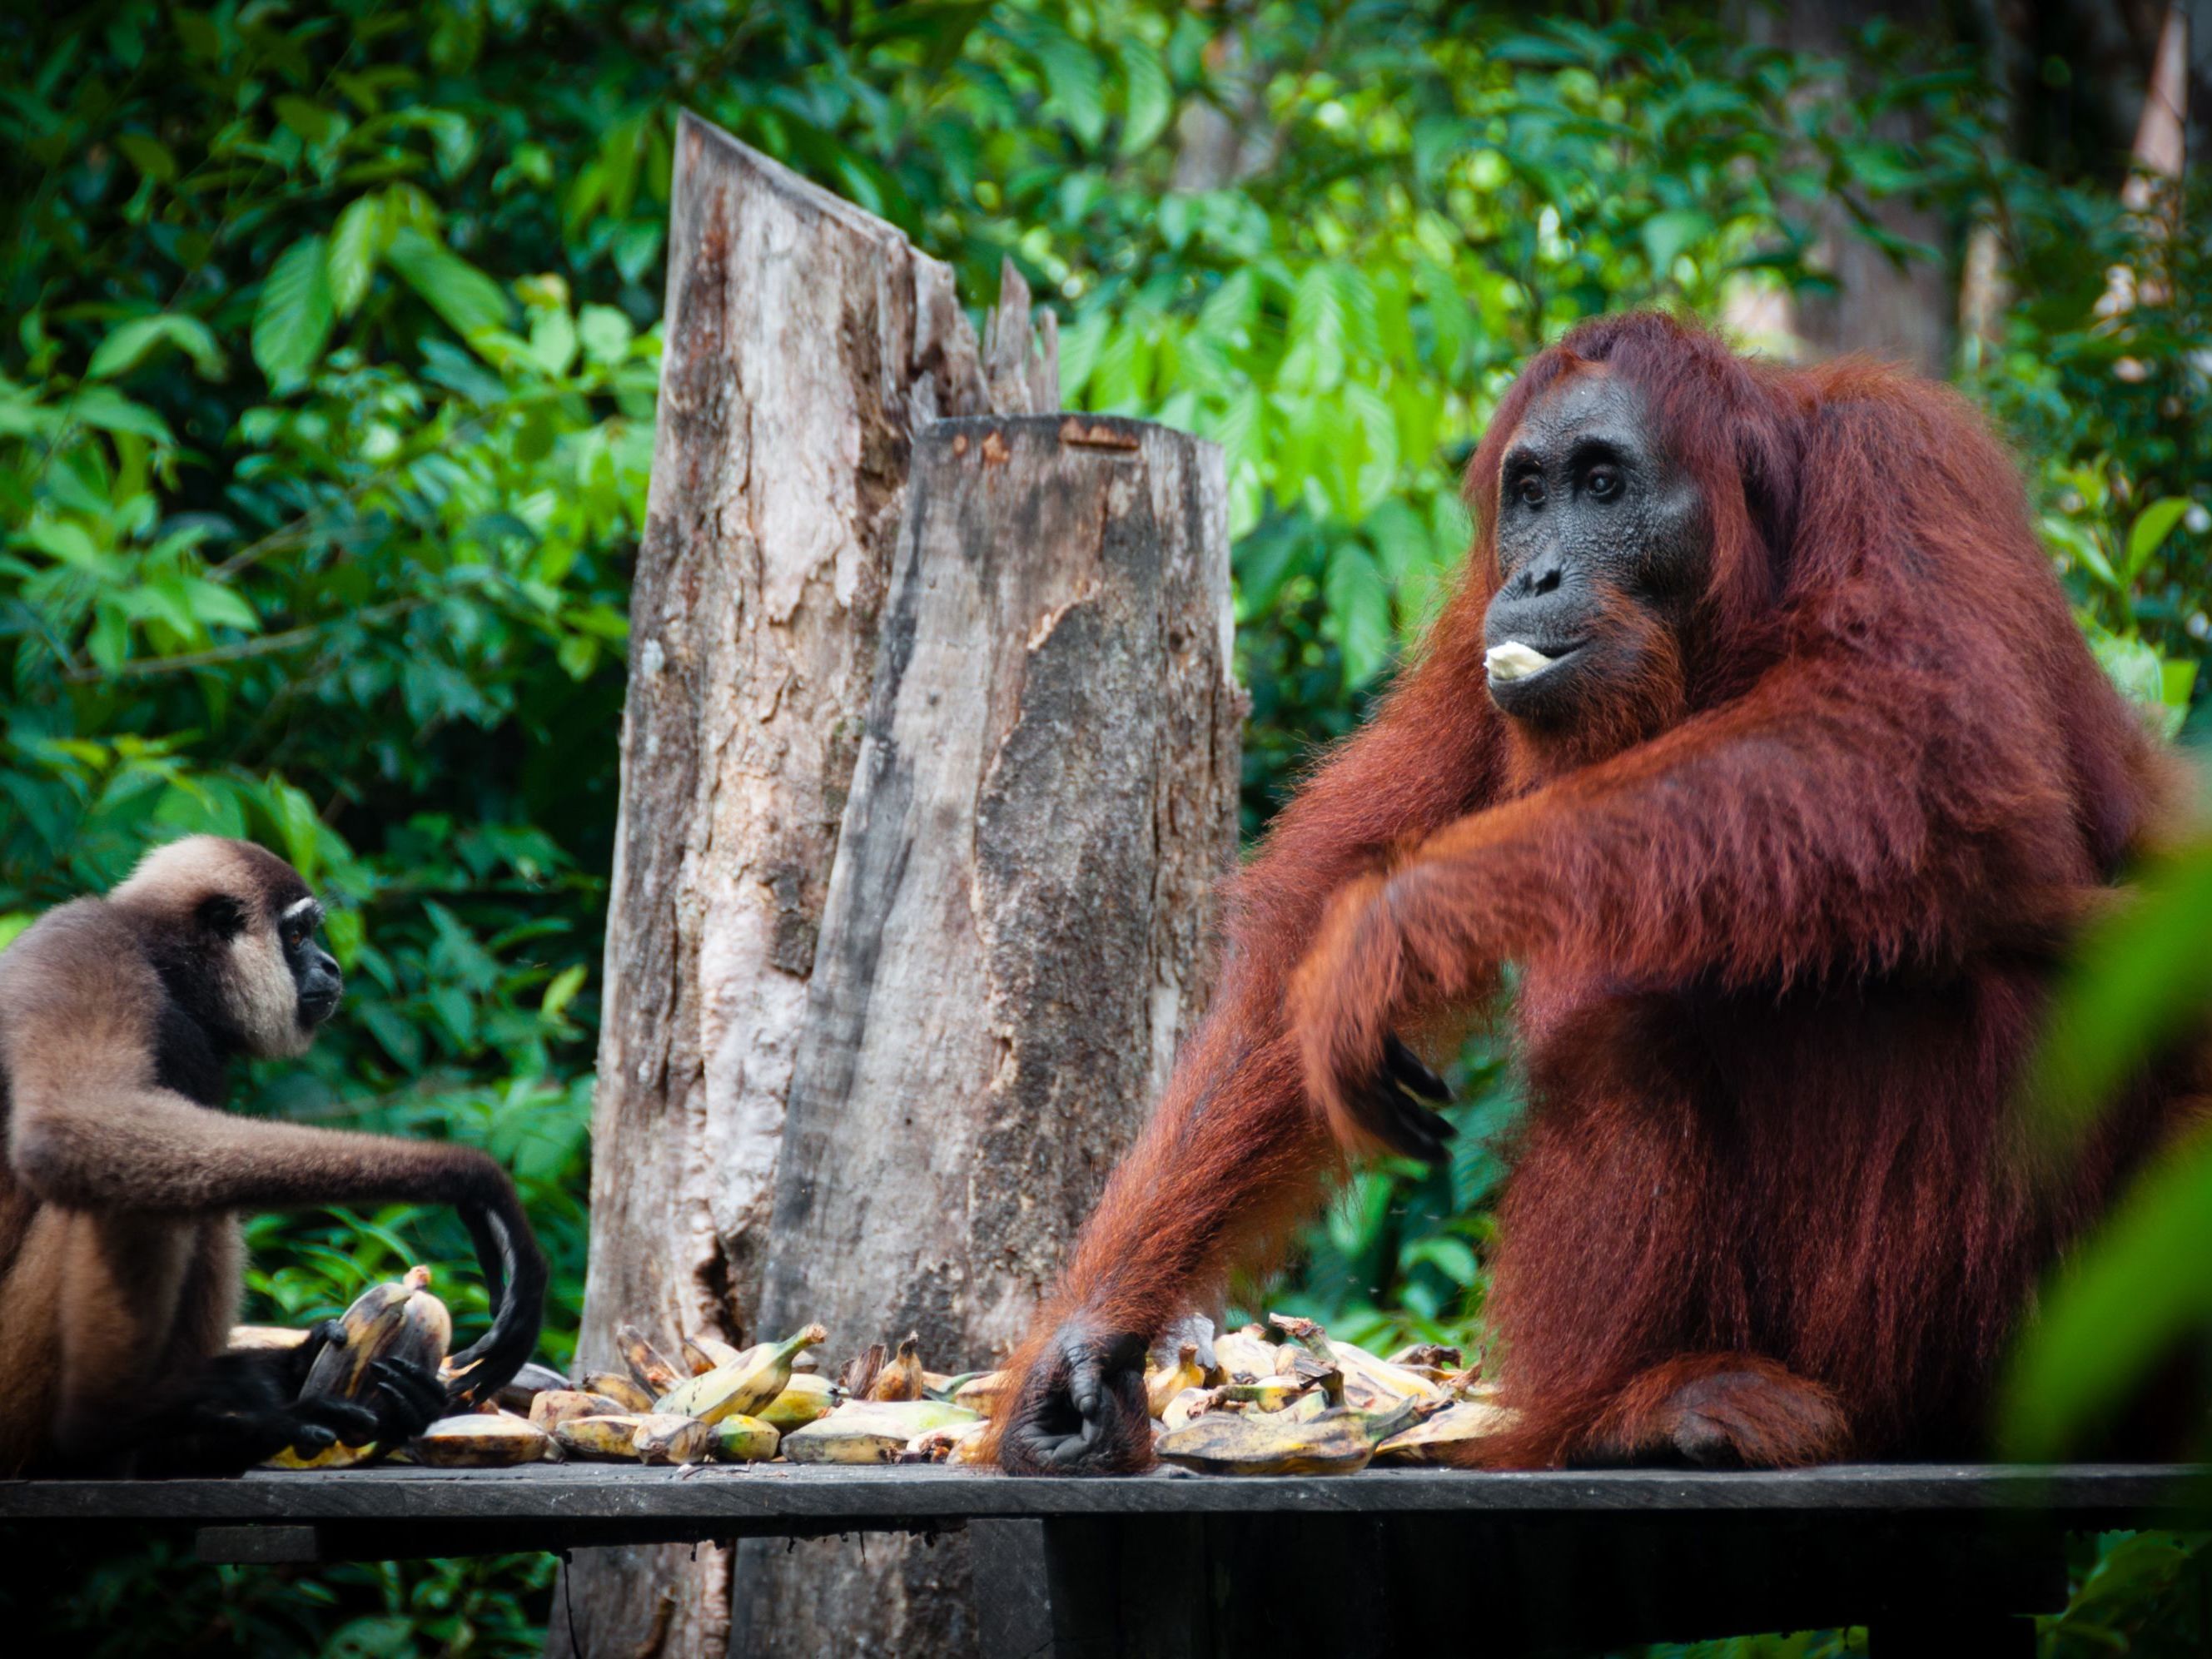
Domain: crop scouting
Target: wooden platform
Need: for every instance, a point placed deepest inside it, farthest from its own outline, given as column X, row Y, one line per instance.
column 1178, row 1563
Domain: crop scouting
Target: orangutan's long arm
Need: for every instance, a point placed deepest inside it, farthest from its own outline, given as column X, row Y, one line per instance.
column 1798, row 830
column 1233, row 1153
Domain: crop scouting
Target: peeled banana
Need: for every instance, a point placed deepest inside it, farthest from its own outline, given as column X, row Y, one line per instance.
column 983, row 1393
column 739, row 1390
column 1246, row 1356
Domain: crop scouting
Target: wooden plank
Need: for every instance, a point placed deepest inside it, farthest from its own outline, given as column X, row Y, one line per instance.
column 2078, row 1496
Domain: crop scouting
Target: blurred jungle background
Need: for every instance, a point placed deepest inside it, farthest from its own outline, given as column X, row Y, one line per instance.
column 327, row 372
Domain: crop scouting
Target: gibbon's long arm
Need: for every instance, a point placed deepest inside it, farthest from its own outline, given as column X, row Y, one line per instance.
column 1797, row 832
column 91, row 1130
column 1234, row 1153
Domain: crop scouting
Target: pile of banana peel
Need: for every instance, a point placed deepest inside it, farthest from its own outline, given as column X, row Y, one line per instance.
column 1249, row 1403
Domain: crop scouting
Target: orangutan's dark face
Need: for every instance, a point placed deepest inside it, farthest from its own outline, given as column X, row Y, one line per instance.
column 1604, row 546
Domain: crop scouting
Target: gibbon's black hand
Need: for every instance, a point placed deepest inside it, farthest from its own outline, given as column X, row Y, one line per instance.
column 306, row 1426
column 1084, row 1411
column 408, row 1399
column 514, row 1274
column 1393, row 1108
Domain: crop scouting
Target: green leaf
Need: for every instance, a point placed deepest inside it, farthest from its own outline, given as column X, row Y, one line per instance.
column 2151, row 528
column 127, row 343
column 315, row 124
column 1359, row 612
column 1077, row 83
column 103, row 407
column 563, row 990
column 356, row 241
column 149, row 155
column 2137, row 1285
column 2136, row 980
column 292, row 323
column 606, row 334
column 1667, row 235
column 1151, row 97
column 469, row 300
column 553, row 341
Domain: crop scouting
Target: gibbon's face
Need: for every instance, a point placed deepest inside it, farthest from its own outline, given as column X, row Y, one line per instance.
column 1604, row 548
column 314, row 970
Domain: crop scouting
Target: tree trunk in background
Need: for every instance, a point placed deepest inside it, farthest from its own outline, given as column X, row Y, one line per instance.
column 1015, row 938
column 807, row 346
column 806, row 341
column 1906, row 314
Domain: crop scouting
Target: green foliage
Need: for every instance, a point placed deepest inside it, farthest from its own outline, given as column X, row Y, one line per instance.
column 327, row 414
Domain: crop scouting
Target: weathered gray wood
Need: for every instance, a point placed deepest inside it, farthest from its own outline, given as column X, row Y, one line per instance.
column 1014, row 943
column 806, row 341
column 2079, row 1496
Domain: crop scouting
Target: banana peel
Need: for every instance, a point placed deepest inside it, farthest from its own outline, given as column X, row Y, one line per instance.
column 1435, row 1439
column 903, row 1378
column 1270, row 1443
column 1164, row 1382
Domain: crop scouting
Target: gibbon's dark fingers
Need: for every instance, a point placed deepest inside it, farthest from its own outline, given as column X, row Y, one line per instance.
column 409, row 1398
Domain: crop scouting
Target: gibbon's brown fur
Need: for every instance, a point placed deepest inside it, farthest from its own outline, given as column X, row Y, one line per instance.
column 120, row 1265
column 1786, row 904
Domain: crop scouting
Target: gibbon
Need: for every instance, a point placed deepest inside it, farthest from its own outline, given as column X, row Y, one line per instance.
column 120, row 1259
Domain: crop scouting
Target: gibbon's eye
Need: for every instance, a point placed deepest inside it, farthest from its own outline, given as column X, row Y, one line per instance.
column 1529, row 489
column 1603, row 482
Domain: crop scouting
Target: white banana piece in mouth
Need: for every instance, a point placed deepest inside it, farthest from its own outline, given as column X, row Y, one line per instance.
column 1514, row 661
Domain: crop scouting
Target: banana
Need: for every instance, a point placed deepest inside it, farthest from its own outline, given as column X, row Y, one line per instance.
column 1246, row 1356
column 477, row 1440
column 697, row 1361
column 397, row 1320
column 1434, row 1440
column 400, row 1320
column 1270, row 1393
column 556, row 1405
column 612, row 1437
column 743, row 1440
column 1189, row 1403
column 527, row 1385
column 618, row 1386
column 1370, row 1385
column 1270, row 1443
column 1168, row 1381
column 713, row 1351
column 902, row 1379
column 804, row 1399
column 871, row 1431
column 739, row 1390
column 653, row 1371
column 982, row 1394
column 660, row 1437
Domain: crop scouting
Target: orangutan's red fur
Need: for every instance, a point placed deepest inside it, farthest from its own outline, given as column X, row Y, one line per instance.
column 1785, row 919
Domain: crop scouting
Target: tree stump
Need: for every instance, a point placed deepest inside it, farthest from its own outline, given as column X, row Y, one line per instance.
column 1014, row 940
column 807, row 346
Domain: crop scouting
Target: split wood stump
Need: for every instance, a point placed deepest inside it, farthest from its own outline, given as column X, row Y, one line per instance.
column 929, row 767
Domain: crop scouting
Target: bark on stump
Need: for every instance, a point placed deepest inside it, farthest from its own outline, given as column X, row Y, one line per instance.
column 806, row 341
column 807, row 344
column 1014, row 942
